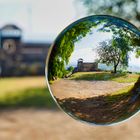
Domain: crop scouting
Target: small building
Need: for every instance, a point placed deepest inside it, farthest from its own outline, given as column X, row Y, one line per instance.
column 18, row 57
column 85, row 66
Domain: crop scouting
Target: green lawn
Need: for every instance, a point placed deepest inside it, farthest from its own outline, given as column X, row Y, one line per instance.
column 119, row 77
column 25, row 92
column 33, row 91
column 119, row 94
column 17, row 84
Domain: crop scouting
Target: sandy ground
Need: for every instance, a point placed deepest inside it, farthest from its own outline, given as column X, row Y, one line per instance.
column 31, row 124
column 85, row 89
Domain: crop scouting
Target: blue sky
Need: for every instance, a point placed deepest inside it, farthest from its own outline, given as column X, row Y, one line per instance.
column 39, row 19
column 86, row 49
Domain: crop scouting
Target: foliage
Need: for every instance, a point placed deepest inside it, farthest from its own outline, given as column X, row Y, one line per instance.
column 127, row 9
column 115, row 51
column 64, row 46
column 136, row 42
column 70, row 69
column 111, row 53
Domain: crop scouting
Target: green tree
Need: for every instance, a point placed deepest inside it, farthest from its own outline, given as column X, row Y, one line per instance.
column 136, row 42
column 110, row 54
column 64, row 46
column 115, row 51
column 127, row 9
column 125, row 38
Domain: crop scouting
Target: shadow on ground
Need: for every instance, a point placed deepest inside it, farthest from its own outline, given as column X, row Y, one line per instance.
column 104, row 109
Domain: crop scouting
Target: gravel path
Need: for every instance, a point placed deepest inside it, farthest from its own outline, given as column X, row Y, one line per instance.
column 85, row 89
column 31, row 124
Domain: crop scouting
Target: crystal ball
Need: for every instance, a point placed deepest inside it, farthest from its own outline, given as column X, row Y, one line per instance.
column 93, row 70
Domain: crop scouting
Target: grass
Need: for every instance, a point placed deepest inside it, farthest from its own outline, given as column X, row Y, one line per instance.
column 33, row 92
column 33, row 97
column 119, row 94
column 17, row 83
column 25, row 92
column 118, row 77
column 124, row 90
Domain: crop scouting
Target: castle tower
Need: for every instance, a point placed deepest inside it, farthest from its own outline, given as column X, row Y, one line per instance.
column 10, row 38
column 80, row 64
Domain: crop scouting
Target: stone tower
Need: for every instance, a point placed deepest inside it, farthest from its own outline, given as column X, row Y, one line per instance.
column 80, row 64
column 10, row 38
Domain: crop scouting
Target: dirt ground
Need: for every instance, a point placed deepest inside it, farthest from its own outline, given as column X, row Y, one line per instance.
column 32, row 124
column 85, row 89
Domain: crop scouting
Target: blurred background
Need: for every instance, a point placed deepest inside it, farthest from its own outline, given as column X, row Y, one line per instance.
column 27, row 29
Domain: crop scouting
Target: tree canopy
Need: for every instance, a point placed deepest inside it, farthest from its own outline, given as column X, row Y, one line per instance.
column 65, row 43
column 64, row 46
column 116, row 51
column 127, row 9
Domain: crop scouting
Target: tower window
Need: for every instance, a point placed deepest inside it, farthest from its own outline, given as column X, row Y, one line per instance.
column 9, row 46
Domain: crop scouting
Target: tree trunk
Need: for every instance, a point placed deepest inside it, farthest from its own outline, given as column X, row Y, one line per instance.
column 116, row 64
column 115, row 68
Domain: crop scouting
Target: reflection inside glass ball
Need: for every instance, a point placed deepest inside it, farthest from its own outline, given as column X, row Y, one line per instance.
column 93, row 70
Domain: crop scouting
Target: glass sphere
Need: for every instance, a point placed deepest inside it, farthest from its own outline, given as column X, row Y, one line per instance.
column 93, row 70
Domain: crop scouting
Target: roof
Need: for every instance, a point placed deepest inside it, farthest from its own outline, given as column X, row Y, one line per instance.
column 34, row 45
column 11, row 30
column 10, row 26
